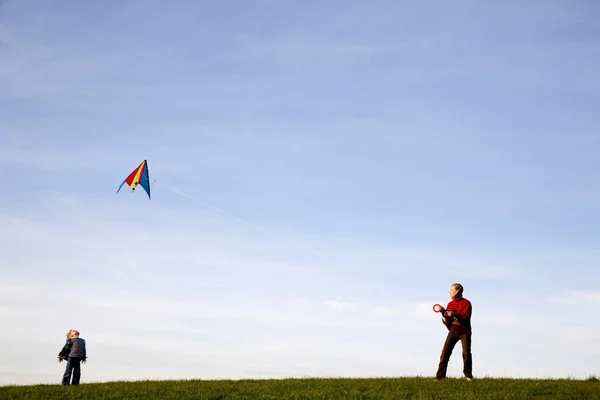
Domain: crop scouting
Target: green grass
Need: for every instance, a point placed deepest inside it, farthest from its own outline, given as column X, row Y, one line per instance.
column 316, row 388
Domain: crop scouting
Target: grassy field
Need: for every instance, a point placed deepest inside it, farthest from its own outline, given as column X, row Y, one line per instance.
column 315, row 388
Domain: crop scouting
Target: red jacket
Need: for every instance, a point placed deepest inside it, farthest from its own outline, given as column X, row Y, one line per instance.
column 461, row 314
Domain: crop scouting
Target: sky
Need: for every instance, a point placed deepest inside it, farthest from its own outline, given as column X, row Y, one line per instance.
column 322, row 172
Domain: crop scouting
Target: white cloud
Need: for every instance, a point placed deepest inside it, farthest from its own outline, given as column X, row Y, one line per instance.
column 585, row 295
column 337, row 305
column 578, row 297
column 385, row 311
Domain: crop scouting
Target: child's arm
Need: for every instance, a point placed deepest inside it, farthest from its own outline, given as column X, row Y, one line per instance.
column 64, row 352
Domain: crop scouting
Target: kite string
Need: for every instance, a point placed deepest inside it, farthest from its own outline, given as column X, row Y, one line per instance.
column 221, row 211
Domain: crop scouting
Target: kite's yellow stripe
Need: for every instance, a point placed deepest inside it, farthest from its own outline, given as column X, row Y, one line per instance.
column 136, row 178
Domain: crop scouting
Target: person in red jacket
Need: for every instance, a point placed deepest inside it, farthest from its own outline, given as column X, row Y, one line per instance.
column 457, row 319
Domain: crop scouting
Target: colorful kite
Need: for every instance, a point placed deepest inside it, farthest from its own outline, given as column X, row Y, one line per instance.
column 139, row 176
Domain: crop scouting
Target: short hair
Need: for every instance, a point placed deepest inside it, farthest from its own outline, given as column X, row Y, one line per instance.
column 459, row 288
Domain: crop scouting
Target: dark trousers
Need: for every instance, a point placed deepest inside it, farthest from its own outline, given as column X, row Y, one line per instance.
column 73, row 367
column 453, row 337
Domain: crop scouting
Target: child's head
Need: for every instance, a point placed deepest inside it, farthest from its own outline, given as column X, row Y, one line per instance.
column 73, row 333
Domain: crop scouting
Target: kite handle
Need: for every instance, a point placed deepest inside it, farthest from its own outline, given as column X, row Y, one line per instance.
column 439, row 309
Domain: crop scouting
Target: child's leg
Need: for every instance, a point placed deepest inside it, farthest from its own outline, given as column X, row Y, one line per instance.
column 67, row 374
column 76, row 371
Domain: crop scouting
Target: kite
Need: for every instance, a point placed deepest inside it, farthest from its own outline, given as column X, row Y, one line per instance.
column 139, row 176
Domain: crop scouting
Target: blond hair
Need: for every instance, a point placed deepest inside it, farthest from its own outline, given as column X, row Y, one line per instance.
column 74, row 332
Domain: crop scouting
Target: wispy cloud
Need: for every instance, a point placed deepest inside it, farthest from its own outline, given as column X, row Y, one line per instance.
column 578, row 297
column 302, row 49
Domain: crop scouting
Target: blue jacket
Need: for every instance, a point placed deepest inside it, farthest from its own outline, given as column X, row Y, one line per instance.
column 64, row 352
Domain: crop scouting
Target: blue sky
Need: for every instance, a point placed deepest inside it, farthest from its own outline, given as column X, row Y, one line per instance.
column 324, row 171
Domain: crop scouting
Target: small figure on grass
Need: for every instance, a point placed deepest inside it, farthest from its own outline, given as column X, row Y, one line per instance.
column 74, row 352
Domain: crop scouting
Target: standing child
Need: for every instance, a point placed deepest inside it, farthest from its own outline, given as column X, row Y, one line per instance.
column 76, row 354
